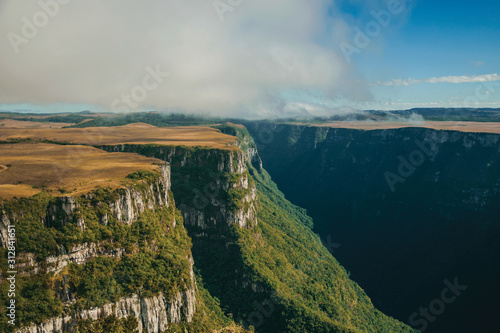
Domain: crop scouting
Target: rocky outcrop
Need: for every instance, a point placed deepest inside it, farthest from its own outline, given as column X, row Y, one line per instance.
column 212, row 166
column 254, row 157
column 223, row 215
column 5, row 221
column 61, row 212
column 154, row 314
column 130, row 202
column 215, row 192
column 432, row 196
column 79, row 254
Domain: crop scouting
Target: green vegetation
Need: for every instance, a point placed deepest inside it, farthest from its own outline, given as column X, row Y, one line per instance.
column 292, row 275
column 308, row 289
column 201, row 180
column 70, row 118
column 245, row 139
column 152, row 118
column 155, row 258
column 279, row 264
column 35, row 140
column 142, row 175
column 312, row 289
column 208, row 317
column 109, row 324
column 34, row 237
column 35, row 300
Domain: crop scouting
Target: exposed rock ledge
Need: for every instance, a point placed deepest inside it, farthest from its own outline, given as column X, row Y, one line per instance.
column 79, row 254
column 224, row 216
column 130, row 203
column 227, row 162
column 154, row 314
column 4, row 224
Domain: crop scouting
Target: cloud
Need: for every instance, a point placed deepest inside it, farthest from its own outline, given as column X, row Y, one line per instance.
column 95, row 52
column 444, row 79
column 478, row 63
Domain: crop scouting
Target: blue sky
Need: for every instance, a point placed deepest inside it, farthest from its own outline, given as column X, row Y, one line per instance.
column 260, row 59
column 439, row 38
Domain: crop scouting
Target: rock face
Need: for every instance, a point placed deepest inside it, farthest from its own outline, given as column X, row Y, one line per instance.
column 61, row 212
column 133, row 202
column 214, row 195
column 79, row 254
column 154, row 314
column 5, row 221
column 125, row 208
column 211, row 166
column 223, row 215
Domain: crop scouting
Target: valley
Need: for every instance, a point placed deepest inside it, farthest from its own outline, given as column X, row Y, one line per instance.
column 410, row 207
column 165, row 229
column 235, row 166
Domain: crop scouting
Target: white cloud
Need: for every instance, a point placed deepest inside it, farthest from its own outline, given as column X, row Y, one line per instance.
column 93, row 51
column 443, row 79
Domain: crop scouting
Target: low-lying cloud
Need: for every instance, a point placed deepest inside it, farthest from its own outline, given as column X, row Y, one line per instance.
column 102, row 53
column 444, row 79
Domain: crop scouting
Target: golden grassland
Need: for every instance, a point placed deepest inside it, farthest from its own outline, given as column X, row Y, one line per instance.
column 26, row 169
column 45, row 116
column 236, row 125
column 462, row 126
column 137, row 133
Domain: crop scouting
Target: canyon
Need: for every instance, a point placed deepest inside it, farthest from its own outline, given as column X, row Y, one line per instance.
column 410, row 207
column 201, row 242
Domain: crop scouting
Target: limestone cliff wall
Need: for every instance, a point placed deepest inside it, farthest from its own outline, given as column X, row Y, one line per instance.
column 154, row 314
column 129, row 203
column 210, row 166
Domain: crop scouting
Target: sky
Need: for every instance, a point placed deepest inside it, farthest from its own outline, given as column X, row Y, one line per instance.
column 245, row 58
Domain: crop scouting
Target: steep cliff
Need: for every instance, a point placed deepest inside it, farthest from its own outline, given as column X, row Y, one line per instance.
column 410, row 207
column 212, row 187
column 254, row 250
column 120, row 252
column 154, row 314
column 122, row 257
